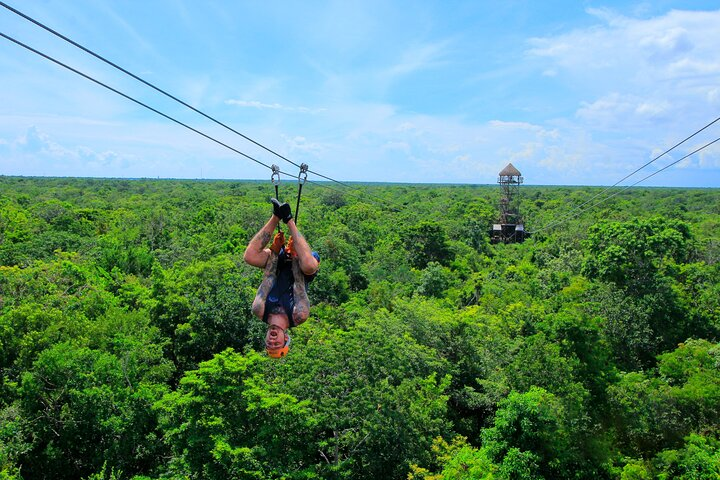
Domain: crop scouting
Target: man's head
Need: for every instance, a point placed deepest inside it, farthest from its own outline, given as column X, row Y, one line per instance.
column 277, row 340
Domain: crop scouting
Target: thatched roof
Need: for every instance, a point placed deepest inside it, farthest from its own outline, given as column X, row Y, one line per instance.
column 510, row 171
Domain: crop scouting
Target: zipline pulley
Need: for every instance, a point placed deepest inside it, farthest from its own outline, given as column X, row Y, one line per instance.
column 302, row 178
column 275, row 179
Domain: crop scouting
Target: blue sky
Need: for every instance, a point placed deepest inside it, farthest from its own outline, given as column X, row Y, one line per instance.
column 570, row 92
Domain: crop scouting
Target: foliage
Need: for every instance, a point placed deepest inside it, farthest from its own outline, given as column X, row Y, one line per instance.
column 644, row 258
column 128, row 348
column 656, row 411
column 631, row 254
column 424, row 243
column 459, row 461
column 530, row 437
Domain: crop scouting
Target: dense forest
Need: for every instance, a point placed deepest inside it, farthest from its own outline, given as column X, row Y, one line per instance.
column 128, row 349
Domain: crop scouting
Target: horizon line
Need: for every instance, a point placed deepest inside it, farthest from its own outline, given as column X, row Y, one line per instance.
column 324, row 182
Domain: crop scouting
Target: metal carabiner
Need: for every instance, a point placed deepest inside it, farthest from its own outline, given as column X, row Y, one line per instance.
column 275, row 177
column 302, row 176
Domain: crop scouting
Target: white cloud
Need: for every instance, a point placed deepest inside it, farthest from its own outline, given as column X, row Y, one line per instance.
column 397, row 146
column 625, row 86
column 405, row 126
column 687, row 67
column 635, row 53
column 648, row 84
column 420, row 148
column 666, row 44
column 558, row 159
column 685, row 163
column 503, row 125
column 652, row 109
column 526, row 151
column 32, row 142
column 706, row 159
column 418, row 57
column 622, row 110
column 38, row 151
column 255, row 104
column 709, row 158
column 713, row 96
column 300, row 144
column 272, row 106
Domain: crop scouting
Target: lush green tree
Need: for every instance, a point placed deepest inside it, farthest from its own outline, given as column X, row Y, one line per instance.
column 692, row 372
column 332, row 287
column 91, row 406
column 456, row 460
column 557, row 357
column 388, row 263
column 45, row 304
column 13, row 442
column 532, row 437
column 625, row 324
column 640, row 257
column 125, row 256
column 579, row 337
column 205, row 308
column 424, row 243
column 698, row 291
column 653, row 412
column 699, row 459
column 339, row 251
column 224, row 421
column 376, row 399
column 631, row 254
column 434, row 280
column 17, row 226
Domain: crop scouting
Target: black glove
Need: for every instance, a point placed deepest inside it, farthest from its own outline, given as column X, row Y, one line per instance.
column 284, row 212
column 276, row 207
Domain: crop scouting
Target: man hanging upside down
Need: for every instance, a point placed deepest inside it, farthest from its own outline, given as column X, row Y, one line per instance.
column 281, row 300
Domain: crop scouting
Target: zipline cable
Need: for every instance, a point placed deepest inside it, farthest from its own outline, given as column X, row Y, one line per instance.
column 569, row 214
column 218, row 122
column 88, row 77
column 632, row 185
column 360, row 196
column 169, row 95
column 675, row 162
column 128, row 97
column 139, row 79
column 274, row 170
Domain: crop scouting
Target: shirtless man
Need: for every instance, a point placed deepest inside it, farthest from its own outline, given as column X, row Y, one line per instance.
column 281, row 299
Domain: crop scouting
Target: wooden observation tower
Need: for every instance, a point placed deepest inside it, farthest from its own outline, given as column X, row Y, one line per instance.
column 510, row 228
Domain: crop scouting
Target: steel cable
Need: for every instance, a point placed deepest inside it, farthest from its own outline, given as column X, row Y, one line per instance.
column 173, row 97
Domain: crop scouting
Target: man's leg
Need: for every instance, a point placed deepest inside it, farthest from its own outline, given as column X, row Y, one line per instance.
column 301, row 310
column 308, row 263
column 269, row 278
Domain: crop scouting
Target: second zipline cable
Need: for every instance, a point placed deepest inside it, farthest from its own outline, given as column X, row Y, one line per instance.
column 128, row 97
column 173, row 97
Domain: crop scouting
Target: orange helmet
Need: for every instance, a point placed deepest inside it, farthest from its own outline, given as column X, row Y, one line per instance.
column 279, row 352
